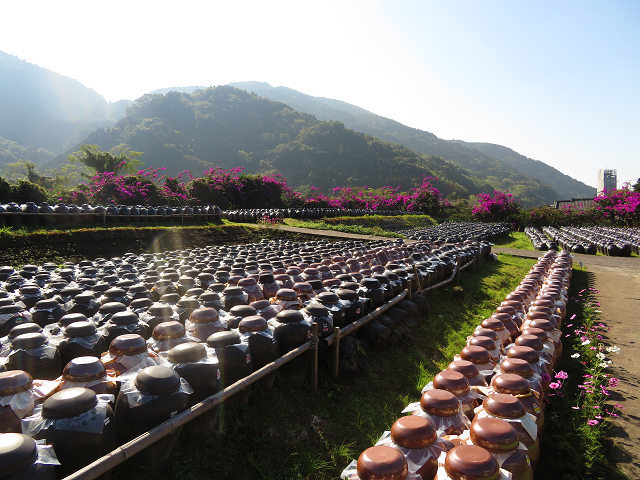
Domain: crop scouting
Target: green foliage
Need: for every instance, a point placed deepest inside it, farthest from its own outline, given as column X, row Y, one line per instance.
column 25, row 191
column 225, row 127
column 515, row 240
column 5, row 191
column 123, row 160
column 358, row 229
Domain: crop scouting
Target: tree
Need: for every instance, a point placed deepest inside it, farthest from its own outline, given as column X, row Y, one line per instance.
column 27, row 170
column 636, row 187
column 123, row 160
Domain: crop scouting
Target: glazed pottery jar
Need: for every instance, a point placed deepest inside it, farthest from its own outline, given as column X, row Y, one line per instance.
column 77, row 423
column 443, row 410
column 152, row 396
column 469, row 462
column 81, row 339
column 128, row 352
column 33, row 353
column 516, row 385
column 122, row 323
column 379, row 463
column 16, row 399
column 262, row 343
column 511, row 410
column 235, row 362
column 204, row 322
column 417, row 440
column 167, row 335
column 21, row 458
column 292, row 330
column 88, row 372
column 470, row 371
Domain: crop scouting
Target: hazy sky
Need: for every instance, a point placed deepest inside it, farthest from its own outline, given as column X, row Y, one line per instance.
column 555, row 80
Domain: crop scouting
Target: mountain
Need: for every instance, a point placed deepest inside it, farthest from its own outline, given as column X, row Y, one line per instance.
column 44, row 113
column 531, row 180
column 227, row 127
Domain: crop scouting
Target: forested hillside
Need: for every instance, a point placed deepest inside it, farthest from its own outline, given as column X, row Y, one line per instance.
column 227, row 127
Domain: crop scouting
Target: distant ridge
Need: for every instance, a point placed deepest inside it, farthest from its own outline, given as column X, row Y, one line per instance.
column 533, row 181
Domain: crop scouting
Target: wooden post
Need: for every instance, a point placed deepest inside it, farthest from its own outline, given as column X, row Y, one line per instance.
column 336, row 352
column 409, row 292
column 417, row 277
column 314, row 355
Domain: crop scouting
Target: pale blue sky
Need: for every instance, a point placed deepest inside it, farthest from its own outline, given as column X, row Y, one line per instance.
column 554, row 80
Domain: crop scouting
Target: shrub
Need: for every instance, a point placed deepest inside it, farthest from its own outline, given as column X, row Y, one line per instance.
column 5, row 190
column 24, row 191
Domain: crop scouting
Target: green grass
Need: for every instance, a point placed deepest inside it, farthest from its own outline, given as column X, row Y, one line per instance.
column 386, row 222
column 515, row 240
column 289, row 432
column 358, row 229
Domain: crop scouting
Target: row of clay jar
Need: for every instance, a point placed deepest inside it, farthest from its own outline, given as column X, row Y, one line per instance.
column 483, row 416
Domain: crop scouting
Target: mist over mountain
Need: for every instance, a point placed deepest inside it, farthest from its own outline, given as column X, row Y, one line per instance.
column 531, row 180
column 43, row 113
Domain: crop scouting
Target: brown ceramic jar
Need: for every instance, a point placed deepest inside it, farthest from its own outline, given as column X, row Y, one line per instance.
column 511, row 409
column 517, row 386
column 15, row 382
column 442, row 408
column 488, row 344
column 501, row 439
column 382, row 463
column 204, row 322
column 518, row 366
column 457, row 383
column 417, row 433
column 497, row 326
column 479, row 356
column 507, row 320
column 88, row 372
column 470, row 462
column 470, row 371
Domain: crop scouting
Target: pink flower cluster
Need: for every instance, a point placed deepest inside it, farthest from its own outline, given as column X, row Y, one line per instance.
column 496, row 207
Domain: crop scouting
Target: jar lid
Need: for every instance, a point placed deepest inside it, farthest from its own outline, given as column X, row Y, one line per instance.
column 160, row 309
column 286, row 294
column 222, row 339
column 157, row 380
column 188, row 352
column 128, row 344
column 247, row 282
column 503, row 317
column 492, row 324
column 517, row 366
column 13, row 308
column 168, row 330
column 188, row 302
column 80, row 329
column 505, row 309
column 232, row 291
column 266, row 278
column 475, row 354
column 465, row 367
column 260, row 304
column 112, row 307
column 115, row 292
column 68, row 403
column 494, row 434
column 485, row 332
column 70, row 318
column 413, row 431
column 470, row 462
column 370, row 283
column 482, row 341
column 302, row 287
column 30, row 340
column 452, row 381
column 440, row 402
column 17, row 453
column 84, row 369
column 523, row 352
column 46, row 304
column 539, row 312
column 14, row 381
column 536, row 332
column 170, row 298
column 204, row 315
column 382, row 463
column 289, row 316
column 529, row 341
column 253, row 323
column 327, row 297
column 141, row 303
column 503, row 405
column 315, row 309
column 23, row 328
column 511, row 384
column 243, row 311
column 124, row 318
column 347, row 294
column 542, row 324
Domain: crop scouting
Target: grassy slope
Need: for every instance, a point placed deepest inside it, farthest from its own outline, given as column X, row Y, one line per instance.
column 289, row 432
column 515, row 240
column 381, row 225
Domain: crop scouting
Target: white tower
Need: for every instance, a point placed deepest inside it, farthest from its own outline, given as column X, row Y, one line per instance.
column 607, row 180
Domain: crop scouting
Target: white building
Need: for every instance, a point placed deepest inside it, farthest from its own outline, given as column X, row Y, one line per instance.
column 607, row 180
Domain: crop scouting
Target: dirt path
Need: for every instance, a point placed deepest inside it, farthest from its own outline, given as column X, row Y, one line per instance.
column 618, row 280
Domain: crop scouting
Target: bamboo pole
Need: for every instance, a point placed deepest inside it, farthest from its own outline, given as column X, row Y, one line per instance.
column 336, row 352
column 314, row 357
